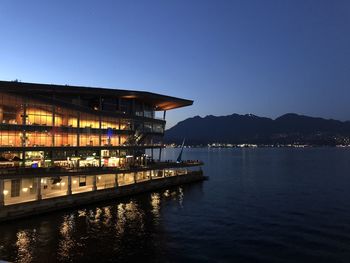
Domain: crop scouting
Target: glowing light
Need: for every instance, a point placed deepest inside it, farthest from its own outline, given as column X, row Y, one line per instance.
column 5, row 192
column 63, row 184
column 99, row 178
column 25, row 189
column 74, row 181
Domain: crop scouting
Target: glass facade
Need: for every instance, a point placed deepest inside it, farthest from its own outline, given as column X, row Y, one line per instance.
column 51, row 124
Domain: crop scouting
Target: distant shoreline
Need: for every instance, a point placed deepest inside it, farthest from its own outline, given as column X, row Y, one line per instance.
column 223, row 146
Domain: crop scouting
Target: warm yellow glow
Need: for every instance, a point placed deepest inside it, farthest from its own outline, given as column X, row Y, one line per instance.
column 129, row 97
column 74, row 181
column 25, row 189
column 5, row 192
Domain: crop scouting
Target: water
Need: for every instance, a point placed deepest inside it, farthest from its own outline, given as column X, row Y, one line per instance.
column 260, row 205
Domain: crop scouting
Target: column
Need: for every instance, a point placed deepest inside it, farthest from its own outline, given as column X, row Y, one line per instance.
column 38, row 188
column 116, row 180
column 2, row 197
column 134, row 178
column 160, row 153
column 69, row 190
column 94, row 186
column 164, row 114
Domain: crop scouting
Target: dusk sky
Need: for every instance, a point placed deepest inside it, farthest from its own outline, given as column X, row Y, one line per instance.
column 262, row 57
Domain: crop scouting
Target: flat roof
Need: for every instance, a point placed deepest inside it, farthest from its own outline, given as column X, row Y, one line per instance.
column 161, row 102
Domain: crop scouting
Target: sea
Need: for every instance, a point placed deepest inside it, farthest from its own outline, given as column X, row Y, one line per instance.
column 258, row 205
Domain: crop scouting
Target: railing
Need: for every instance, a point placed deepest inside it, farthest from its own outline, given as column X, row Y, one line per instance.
column 65, row 170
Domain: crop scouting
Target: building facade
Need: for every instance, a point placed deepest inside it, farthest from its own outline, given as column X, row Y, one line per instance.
column 64, row 145
column 63, row 126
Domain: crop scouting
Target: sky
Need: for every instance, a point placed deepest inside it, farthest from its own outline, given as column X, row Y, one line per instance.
column 266, row 57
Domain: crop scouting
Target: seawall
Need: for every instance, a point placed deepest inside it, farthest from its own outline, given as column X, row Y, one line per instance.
column 48, row 205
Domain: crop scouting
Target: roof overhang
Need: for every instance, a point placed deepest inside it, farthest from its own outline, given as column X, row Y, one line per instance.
column 160, row 102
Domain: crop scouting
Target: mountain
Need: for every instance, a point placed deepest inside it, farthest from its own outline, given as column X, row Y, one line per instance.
column 235, row 128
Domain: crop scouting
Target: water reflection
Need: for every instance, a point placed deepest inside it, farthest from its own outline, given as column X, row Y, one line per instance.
column 66, row 243
column 23, row 244
column 181, row 196
column 107, row 216
column 124, row 229
column 155, row 202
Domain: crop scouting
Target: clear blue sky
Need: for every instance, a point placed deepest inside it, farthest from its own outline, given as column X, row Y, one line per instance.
column 262, row 57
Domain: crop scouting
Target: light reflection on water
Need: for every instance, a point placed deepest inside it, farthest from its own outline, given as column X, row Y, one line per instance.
column 24, row 251
column 66, row 241
column 128, row 227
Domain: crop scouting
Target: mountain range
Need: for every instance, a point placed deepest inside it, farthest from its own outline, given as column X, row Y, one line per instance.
column 237, row 129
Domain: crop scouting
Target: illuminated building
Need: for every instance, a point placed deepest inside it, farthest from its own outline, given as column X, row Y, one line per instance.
column 61, row 128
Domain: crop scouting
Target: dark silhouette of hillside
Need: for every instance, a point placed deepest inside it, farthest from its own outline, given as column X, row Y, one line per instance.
column 235, row 128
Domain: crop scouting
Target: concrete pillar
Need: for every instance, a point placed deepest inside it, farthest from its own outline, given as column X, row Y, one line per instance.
column 160, row 153
column 116, row 180
column 94, row 186
column 69, row 189
column 2, row 197
column 38, row 188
